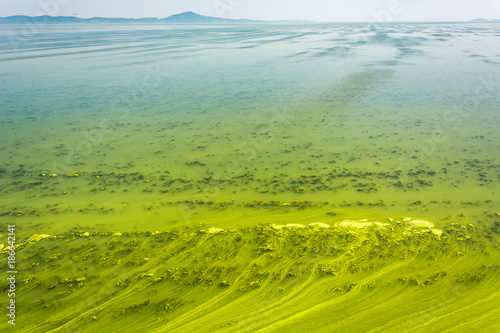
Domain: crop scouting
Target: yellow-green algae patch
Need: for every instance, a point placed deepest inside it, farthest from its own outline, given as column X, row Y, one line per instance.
column 319, row 225
column 213, row 230
column 382, row 277
column 37, row 237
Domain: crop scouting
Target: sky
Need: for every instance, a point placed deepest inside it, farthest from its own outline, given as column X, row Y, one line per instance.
column 314, row 10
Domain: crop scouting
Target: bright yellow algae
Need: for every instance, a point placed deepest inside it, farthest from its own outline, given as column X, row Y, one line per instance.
column 243, row 200
column 259, row 278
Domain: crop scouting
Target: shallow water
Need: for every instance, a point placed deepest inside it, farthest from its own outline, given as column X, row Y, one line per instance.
column 174, row 129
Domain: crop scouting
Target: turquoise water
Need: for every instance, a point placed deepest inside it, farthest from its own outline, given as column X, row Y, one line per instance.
column 150, row 99
column 179, row 128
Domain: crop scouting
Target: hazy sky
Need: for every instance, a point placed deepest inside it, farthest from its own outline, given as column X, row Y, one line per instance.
column 316, row 10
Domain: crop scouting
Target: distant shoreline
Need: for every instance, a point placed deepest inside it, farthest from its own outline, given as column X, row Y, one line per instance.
column 182, row 18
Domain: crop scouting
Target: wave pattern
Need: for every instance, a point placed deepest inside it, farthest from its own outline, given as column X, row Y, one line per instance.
column 267, row 278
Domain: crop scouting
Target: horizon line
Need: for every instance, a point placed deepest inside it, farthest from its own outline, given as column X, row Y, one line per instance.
column 256, row 20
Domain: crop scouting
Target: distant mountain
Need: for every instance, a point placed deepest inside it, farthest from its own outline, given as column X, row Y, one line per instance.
column 190, row 17
column 187, row 17
column 483, row 20
column 20, row 19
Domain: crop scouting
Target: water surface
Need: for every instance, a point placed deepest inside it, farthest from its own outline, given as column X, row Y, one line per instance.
column 165, row 161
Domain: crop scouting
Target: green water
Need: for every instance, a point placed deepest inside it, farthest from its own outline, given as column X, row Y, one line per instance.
column 164, row 163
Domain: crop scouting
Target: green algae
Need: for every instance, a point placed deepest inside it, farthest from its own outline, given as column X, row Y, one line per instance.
column 212, row 279
column 251, row 192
